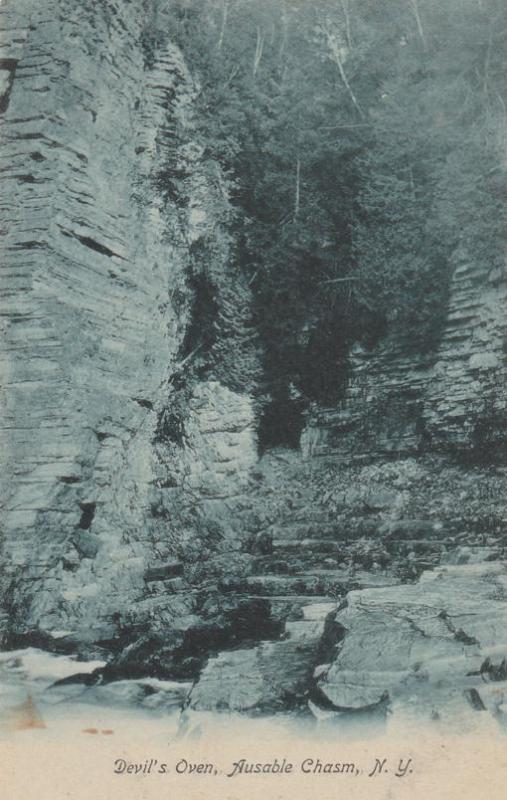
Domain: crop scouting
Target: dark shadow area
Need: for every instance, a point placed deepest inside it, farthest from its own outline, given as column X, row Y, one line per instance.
column 87, row 515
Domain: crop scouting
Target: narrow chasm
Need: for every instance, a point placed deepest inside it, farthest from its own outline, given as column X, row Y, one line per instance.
column 255, row 336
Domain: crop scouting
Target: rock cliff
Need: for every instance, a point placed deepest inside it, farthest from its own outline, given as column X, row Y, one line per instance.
column 139, row 522
column 450, row 400
column 97, row 105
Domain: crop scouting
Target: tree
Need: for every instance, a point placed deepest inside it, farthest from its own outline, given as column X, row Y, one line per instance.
column 361, row 144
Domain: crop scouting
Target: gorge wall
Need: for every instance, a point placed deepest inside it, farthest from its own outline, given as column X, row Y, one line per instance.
column 137, row 515
column 95, row 305
column 451, row 400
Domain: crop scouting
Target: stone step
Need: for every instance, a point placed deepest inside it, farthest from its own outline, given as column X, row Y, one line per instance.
column 288, row 607
column 294, row 563
column 319, row 610
column 301, row 584
column 359, row 579
column 301, row 545
column 319, row 581
column 291, row 529
column 267, row 676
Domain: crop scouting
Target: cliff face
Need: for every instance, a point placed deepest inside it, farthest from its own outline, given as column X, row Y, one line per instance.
column 95, row 302
column 450, row 401
column 136, row 513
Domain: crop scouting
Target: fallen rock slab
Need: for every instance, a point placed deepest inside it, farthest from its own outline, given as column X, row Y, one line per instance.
column 272, row 676
column 439, row 642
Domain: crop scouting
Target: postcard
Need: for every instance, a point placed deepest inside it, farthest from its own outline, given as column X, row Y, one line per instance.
column 253, row 450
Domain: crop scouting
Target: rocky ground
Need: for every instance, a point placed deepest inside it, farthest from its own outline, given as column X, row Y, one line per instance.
column 360, row 589
column 144, row 542
column 328, row 536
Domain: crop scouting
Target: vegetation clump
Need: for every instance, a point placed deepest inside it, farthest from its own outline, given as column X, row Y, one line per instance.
column 361, row 143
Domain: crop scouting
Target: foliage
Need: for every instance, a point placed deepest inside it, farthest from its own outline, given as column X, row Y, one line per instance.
column 362, row 143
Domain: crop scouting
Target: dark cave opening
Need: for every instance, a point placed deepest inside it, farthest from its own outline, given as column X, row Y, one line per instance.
column 281, row 422
column 314, row 370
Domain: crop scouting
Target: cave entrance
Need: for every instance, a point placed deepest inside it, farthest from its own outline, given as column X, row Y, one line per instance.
column 316, row 371
column 281, row 423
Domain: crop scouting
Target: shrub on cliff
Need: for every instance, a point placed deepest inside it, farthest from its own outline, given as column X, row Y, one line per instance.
column 362, row 145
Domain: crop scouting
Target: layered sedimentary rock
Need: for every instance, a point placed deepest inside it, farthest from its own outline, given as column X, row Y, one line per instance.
column 136, row 514
column 450, row 399
column 436, row 647
column 271, row 676
column 97, row 109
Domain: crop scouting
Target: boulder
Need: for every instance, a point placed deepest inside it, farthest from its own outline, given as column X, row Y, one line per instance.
column 430, row 643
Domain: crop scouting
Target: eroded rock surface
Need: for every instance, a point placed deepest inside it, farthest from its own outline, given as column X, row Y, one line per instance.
column 97, row 108
column 138, row 521
column 434, row 645
column 451, row 399
column 272, row 676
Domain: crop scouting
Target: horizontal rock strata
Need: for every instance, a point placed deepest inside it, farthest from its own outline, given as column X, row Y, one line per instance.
column 436, row 646
column 454, row 399
column 97, row 106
